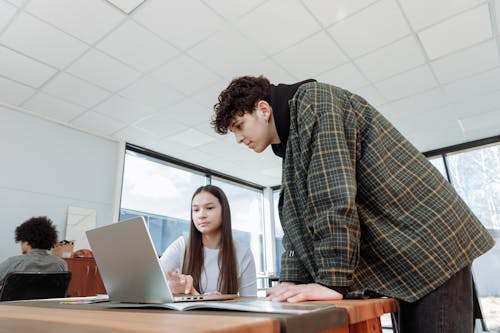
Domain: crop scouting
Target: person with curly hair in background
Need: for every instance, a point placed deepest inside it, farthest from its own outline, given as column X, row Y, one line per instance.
column 37, row 236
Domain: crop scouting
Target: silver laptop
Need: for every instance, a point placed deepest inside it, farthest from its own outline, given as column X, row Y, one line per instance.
column 130, row 267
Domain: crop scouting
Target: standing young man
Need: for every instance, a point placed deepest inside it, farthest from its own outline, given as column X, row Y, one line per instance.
column 362, row 210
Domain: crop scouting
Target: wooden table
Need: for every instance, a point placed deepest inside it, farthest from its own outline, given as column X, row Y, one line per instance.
column 352, row 316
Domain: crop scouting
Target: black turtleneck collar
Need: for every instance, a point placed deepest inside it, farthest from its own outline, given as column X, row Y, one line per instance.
column 279, row 96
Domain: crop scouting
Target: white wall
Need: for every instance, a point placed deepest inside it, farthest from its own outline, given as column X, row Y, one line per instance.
column 46, row 167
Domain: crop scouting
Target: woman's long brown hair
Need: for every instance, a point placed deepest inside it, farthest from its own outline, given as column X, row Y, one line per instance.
column 194, row 258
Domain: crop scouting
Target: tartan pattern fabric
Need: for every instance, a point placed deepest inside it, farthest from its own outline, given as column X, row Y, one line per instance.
column 361, row 207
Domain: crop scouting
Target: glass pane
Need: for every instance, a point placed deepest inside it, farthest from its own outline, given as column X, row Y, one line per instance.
column 246, row 218
column 161, row 193
column 278, row 232
column 475, row 176
column 438, row 162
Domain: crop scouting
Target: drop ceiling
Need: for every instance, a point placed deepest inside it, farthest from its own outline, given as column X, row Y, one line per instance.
column 151, row 77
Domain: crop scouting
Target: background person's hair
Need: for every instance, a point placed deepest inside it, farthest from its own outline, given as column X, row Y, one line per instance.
column 39, row 232
column 238, row 98
column 194, row 257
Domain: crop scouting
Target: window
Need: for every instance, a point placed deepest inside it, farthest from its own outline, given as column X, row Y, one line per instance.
column 278, row 232
column 160, row 192
column 246, row 217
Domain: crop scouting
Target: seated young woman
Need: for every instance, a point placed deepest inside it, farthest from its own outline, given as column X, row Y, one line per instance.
column 209, row 261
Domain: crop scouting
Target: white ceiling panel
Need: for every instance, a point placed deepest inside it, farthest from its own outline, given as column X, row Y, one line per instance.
column 328, row 12
column 104, row 71
column 346, row 76
column 497, row 14
column 473, row 86
column 371, row 95
column 186, row 74
column 467, row 62
column 170, row 146
column 423, row 13
column 126, row 5
column 276, row 32
column 189, row 112
column 456, row 33
column 97, row 123
column 88, row 20
column 39, row 40
column 230, row 61
column 377, row 25
column 270, row 68
column 135, row 136
column 14, row 93
column 122, row 109
column 161, row 125
column 481, row 122
column 182, row 31
column 326, row 55
column 23, row 69
column 75, row 90
column 137, row 47
column 7, row 12
column 232, row 9
column 152, row 92
column 221, row 148
column 408, row 83
column 194, row 156
column 53, row 108
column 393, row 59
column 17, row 3
column 192, row 138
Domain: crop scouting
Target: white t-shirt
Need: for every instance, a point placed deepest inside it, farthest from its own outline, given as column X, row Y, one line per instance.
column 173, row 258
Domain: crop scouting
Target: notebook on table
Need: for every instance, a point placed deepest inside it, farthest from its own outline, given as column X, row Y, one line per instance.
column 131, row 272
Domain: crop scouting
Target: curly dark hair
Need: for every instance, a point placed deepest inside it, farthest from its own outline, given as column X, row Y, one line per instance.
column 238, row 98
column 39, row 232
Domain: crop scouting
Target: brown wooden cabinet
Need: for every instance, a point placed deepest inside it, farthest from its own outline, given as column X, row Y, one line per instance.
column 85, row 278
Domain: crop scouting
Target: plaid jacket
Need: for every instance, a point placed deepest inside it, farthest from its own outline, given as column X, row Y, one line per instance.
column 361, row 207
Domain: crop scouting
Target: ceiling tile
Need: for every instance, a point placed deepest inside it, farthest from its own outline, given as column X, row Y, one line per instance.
column 473, row 86
column 186, row 74
column 232, row 9
column 161, row 125
column 194, row 156
column 135, row 136
column 346, row 76
column 392, row 59
column 456, row 33
column 423, row 13
column 326, row 56
column 74, row 16
column 371, row 95
column 280, row 31
column 53, row 108
column 328, row 12
column 74, row 90
column 39, row 40
column 14, row 93
column 137, row 47
column 408, row 83
column 169, row 147
column 221, row 148
column 230, row 61
column 481, row 122
column 7, row 12
column 17, row 3
column 189, row 113
column 23, row 69
column 104, row 71
column 467, row 62
column 371, row 28
column 150, row 91
column 270, row 68
column 97, row 123
column 497, row 14
column 126, row 6
column 180, row 30
column 192, row 138
column 122, row 109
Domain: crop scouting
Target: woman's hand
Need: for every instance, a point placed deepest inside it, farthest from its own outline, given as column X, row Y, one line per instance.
column 291, row 292
column 181, row 283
